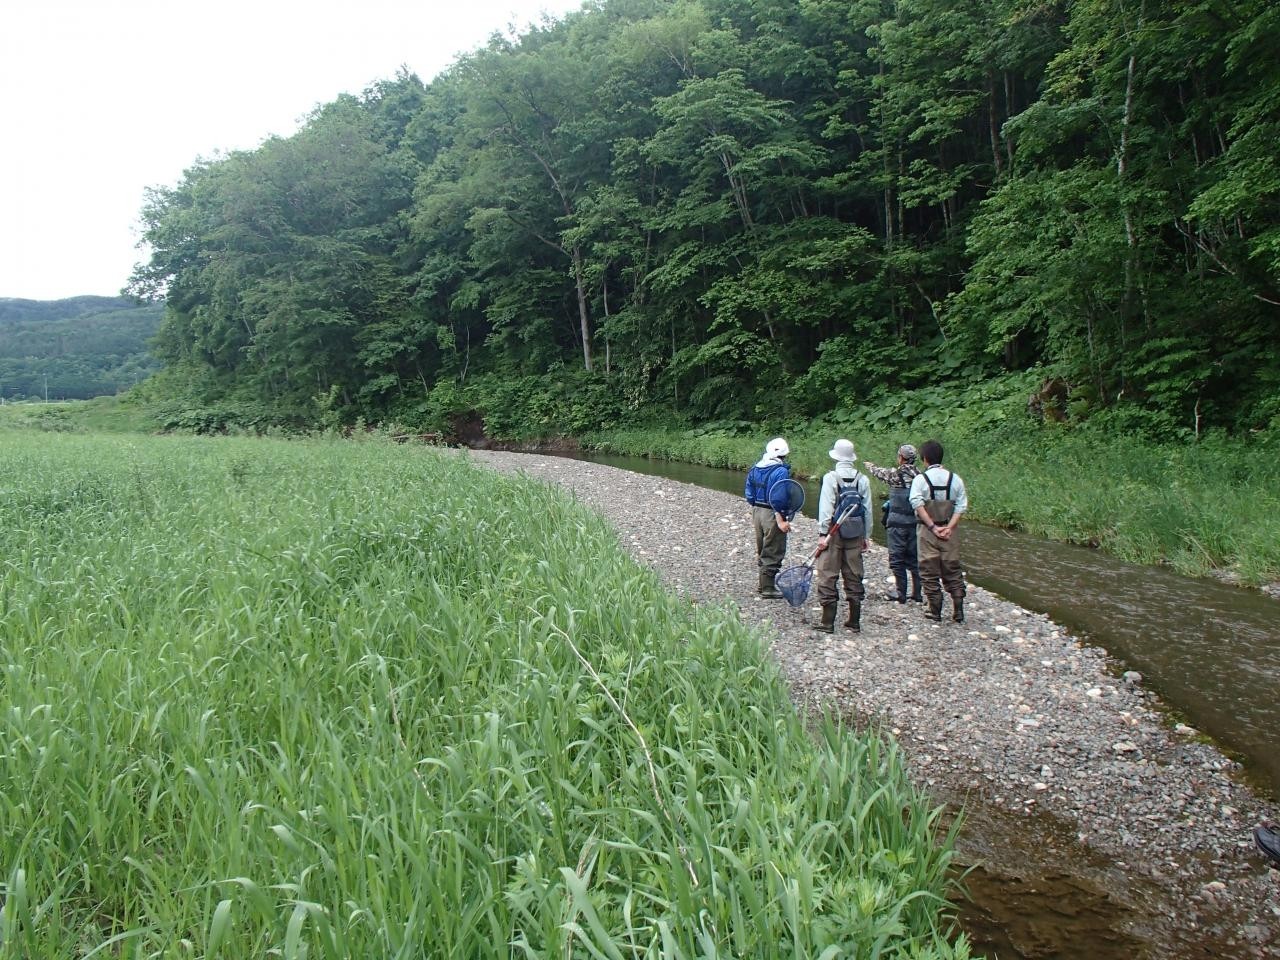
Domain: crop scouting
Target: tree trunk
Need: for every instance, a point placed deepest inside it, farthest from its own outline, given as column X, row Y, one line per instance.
column 993, row 126
column 583, row 317
column 1130, row 232
column 604, row 290
column 1008, row 112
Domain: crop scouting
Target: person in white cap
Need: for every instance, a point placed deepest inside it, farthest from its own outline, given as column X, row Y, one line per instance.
column 846, row 497
column 768, row 518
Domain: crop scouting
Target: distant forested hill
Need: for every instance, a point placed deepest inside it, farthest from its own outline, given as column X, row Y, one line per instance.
column 84, row 346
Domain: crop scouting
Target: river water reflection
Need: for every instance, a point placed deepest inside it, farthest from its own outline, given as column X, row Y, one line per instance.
column 1212, row 651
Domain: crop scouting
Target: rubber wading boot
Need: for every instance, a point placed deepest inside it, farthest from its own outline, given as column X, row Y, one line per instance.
column 934, row 612
column 854, row 622
column 768, row 590
column 957, row 609
column 900, row 594
column 916, row 595
column 828, row 624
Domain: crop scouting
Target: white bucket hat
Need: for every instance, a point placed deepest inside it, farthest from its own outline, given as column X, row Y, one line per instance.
column 777, row 447
column 843, row 450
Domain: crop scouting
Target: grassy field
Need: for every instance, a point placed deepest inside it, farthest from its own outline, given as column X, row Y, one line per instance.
column 119, row 414
column 348, row 699
column 1201, row 507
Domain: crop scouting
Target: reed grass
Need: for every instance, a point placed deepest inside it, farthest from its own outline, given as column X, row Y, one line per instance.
column 348, row 699
column 1207, row 507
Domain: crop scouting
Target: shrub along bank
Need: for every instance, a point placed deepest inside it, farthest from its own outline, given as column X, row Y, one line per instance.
column 342, row 699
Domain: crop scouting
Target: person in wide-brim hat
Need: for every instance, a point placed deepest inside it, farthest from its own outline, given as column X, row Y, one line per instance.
column 845, row 496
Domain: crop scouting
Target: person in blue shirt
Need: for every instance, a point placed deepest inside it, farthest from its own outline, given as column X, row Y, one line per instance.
column 768, row 516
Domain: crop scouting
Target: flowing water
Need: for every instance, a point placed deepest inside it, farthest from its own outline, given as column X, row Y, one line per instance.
column 1211, row 650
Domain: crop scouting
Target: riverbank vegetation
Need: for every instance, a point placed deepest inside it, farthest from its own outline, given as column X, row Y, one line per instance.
column 1204, row 506
column 318, row 698
column 1208, row 506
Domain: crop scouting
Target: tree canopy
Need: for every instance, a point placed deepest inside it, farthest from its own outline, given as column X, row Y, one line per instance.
column 740, row 208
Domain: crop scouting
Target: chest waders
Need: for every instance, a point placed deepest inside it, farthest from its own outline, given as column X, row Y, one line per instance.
column 940, row 559
column 900, row 532
column 771, row 542
column 940, row 509
column 842, row 560
column 900, row 513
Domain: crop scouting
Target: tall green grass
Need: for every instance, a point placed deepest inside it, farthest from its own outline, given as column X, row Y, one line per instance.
column 1202, row 507
column 110, row 414
column 327, row 699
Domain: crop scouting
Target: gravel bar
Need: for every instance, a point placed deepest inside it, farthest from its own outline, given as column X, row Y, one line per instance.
column 1064, row 764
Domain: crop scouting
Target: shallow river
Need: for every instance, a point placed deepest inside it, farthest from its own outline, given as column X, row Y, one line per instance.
column 1211, row 650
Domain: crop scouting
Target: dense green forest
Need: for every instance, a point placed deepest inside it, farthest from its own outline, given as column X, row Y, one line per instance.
column 76, row 348
column 709, row 210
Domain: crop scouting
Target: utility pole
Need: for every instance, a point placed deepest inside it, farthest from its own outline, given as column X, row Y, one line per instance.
column 46, row 388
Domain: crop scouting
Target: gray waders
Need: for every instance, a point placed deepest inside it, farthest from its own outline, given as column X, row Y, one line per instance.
column 771, row 547
column 841, row 561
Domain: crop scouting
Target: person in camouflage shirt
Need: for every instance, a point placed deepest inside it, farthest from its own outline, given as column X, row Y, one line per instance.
column 900, row 522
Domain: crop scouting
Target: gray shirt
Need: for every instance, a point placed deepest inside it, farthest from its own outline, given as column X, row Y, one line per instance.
column 938, row 474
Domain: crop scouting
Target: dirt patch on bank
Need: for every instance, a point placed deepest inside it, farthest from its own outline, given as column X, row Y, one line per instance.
column 1071, row 775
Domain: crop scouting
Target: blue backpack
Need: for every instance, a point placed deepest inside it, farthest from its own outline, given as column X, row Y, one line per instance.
column 850, row 506
column 760, row 480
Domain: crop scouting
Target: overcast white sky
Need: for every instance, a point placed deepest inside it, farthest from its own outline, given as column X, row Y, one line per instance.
column 100, row 99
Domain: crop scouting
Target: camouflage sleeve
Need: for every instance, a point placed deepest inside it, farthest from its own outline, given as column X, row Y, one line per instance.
column 886, row 474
